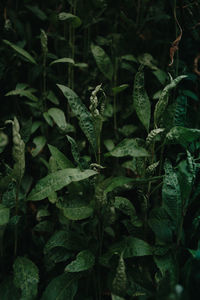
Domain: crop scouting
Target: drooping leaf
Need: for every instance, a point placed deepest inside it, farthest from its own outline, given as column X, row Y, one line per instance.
column 23, row 93
column 56, row 181
column 81, row 112
column 161, row 105
column 59, row 118
column 84, row 261
column 103, row 61
column 181, row 111
column 171, row 194
column 21, row 51
column 141, row 100
column 26, row 277
column 137, row 247
column 118, row 89
column 182, row 135
column 125, row 206
column 62, row 161
column 61, row 288
column 60, row 239
column 74, row 150
column 37, row 12
column 72, row 19
column 63, row 60
column 153, row 134
column 129, row 147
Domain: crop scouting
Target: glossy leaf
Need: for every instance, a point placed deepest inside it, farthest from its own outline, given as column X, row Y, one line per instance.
column 26, row 277
column 59, row 118
column 61, row 288
column 72, row 19
column 56, row 181
column 103, row 61
column 63, row 60
column 141, row 100
column 81, row 112
column 84, row 261
column 40, row 142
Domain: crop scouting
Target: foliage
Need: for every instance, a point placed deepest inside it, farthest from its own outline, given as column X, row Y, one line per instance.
column 99, row 146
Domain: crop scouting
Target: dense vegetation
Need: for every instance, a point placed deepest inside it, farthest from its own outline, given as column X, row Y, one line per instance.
column 100, row 150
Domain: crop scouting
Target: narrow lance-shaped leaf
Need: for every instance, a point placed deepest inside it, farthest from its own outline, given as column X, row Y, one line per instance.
column 103, row 61
column 56, row 181
column 62, row 161
column 81, row 112
column 18, row 150
column 26, row 277
column 161, row 105
column 141, row 100
column 21, row 51
column 171, row 194
column 182, row 135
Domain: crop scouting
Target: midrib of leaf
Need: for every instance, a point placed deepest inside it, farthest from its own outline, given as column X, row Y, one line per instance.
column 67, row 286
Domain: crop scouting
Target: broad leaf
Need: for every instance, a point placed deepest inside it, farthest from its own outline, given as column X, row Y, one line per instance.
column 61, row 288
column 78, row 212
column 81, row 112
column 103, row 61
column 40, row 142
column 141, row 100
column 21, row 51
column 26, row 277
column 56, row 181
column 72, row 19
column 59, row 118
column 129, row 147
column 182, row 135
column 84, row 261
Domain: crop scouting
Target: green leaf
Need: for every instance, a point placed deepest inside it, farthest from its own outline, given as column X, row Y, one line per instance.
column 63, row 60
column 63, row 287
column 4, row 215
column 56, row 181
column 59, row 118
column 78, row 212
column 74, row 20
column 37, row 12
column 62, row 161
column 118, row 89
column 51, row 97
column 81, row 112
column 137, row 247
column 84, row 261
column 141, row 100
column 8, row 291
column 115, row 297
column 103, row 61
column 171, row 194
column 26, row 277
column 60, row 239
column 159, row 222
column 40, row 142
column 125, row 206
column 129, row 147
column 21, row 51
column 182, row 135
column 119, row 283
column 74, row 150
column 161, row 105
column 23, row 93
